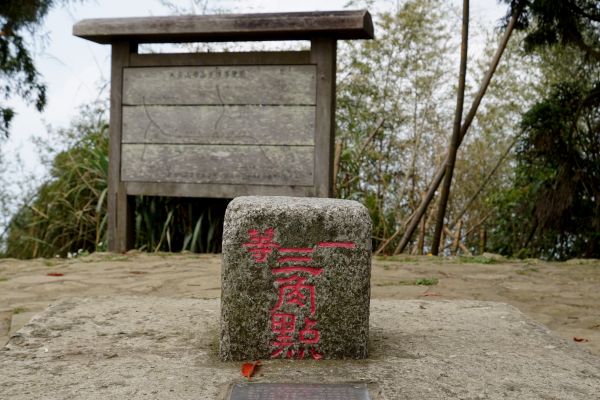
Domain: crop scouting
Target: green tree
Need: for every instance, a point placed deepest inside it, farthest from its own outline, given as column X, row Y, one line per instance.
column 565, row 22
column 68, row 211
column 418, row 214
column 554, row 203
column 18, row 74
column 556, row 187
column 393, row 107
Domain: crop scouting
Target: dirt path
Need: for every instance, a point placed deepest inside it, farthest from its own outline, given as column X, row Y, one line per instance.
column 563, row 296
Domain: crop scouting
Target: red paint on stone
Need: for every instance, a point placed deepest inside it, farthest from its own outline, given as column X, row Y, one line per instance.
column 284, row 326
column 296, row 250
column 261, row 245
column 293, row 290
column 309, row 335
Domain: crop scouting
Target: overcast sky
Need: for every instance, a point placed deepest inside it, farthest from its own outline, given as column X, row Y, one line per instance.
column 73, row 68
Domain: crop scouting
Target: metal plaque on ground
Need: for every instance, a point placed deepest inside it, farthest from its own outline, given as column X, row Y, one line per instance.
column 299, row 391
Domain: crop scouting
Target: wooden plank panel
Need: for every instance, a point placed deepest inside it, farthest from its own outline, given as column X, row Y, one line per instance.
column 230, row 164
column 275, row 125
column 229, row 58
column 349, row 24
column 214, row 190
column 283, row 84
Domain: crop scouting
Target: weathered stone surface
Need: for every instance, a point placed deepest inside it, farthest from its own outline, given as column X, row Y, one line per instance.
column 125, row 347
column 295, row 279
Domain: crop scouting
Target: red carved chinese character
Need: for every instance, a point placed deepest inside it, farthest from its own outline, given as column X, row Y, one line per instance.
column 307, row 334
column 261, row 245
column 301, row 353
column 315, row 355
column 296, row 259
column 293, row 291
column 306, row 250
column 283, row 325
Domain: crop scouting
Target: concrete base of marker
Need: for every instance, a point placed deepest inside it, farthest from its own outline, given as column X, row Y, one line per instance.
column 162, row 348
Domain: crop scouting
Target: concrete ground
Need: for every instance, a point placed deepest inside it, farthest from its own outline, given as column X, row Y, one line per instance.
column 562, row 296
column 149, row 347
column 145, row 326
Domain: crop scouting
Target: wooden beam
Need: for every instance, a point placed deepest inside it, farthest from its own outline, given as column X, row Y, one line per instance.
column 231, row 58
column 214, row 190
column 229, row 27
column 120, row 208
column 323, row 54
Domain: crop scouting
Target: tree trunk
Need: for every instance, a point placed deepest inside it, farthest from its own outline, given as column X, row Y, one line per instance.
column 422, row 231
column 455, row 140
column 460, row 245
column 336, row 166
column 415, row 218
column 482, row 239
column 456, row 241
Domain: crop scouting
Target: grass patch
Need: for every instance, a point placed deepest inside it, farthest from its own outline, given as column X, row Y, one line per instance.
column 3, row 279
column 415, row 282
column 19, row 310
column 426, row 281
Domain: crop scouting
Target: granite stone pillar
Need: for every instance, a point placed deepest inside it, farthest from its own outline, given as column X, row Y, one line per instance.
column 295, row 279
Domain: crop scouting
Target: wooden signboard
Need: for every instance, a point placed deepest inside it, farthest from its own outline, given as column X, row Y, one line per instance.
column 220, row 124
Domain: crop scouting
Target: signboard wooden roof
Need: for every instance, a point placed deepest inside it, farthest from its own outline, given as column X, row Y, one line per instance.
column 230, row 27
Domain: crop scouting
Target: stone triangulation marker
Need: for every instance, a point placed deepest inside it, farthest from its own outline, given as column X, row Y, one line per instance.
column 295, row 279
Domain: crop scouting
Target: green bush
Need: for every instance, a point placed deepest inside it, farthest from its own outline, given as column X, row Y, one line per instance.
column 68, row 212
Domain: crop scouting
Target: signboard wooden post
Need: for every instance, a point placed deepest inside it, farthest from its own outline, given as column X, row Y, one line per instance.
column 220, row 124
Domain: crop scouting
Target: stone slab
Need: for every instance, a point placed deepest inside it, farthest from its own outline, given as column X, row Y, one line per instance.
column 5, row 318
column 19, row 320
column 163, row 348
column 295, row 279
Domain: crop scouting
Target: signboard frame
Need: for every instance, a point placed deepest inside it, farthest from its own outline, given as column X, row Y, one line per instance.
column 322, row 29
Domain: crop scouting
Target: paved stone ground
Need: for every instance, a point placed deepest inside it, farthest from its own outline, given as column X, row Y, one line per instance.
column 562, row 296
column 123, row 347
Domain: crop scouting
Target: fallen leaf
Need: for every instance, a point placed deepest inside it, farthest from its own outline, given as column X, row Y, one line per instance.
column 580, row 339
column 55, row 274
column 430, row 294
column 137, row 272
column 248, row 369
